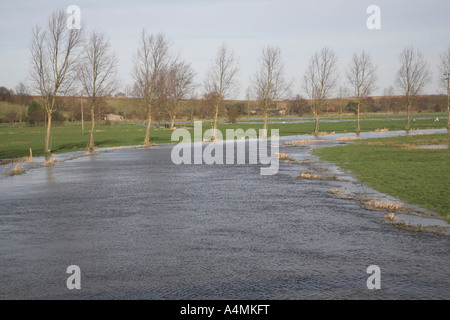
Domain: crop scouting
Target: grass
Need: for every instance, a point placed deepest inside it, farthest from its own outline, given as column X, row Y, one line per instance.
column 339, row 193
column 302, row 141
column 308, row 175
column 6, row 107
column 417, row 176
column 344, row 116
column 376, row 204
column 18, row 169
column 16, row 142
column 50, row 161
column 283, row 156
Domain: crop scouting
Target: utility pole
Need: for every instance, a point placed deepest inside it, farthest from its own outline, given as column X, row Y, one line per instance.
column 248, row 111
column 448, row 98
column 82, row 117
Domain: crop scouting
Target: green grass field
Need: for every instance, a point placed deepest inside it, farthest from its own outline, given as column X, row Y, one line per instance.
column 344, row 116
column 396, row 167
column 16, row 141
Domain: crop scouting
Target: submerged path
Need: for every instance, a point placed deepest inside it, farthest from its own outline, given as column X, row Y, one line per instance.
column 140, row 227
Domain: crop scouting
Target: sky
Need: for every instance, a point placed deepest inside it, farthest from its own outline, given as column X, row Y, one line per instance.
column 197, row 28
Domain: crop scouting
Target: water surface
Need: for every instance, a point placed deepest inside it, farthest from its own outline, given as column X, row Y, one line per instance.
column 140, row 227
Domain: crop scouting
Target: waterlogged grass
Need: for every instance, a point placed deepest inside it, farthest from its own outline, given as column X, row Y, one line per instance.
column 396, row 166
column 289, row 129
column 16, row 141
column 347, row 116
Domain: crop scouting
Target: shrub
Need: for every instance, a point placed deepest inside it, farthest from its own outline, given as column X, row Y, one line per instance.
column 35, row 113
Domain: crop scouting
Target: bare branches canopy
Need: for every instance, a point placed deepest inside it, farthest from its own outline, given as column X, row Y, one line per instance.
column 269, row 82
column 361, row 76
column 220, row 81
column 53, row 56
column 97, row 71
column 319, row 80
column 175, row 82
column 412, row 77
column 151, row 59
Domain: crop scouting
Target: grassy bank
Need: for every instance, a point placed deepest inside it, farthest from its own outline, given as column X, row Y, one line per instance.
column 16, row 141
column 396, row 166
column 346, row 116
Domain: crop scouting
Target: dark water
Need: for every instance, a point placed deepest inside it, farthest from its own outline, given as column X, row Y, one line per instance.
column 140, row 227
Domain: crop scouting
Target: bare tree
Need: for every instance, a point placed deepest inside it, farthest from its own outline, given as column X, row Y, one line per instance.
column 319, row 80
column 248, row 97
column 387, row 99
column 269, row 82
column 220, row 81
column 298, row 105
column 97, row 71
column 207, row 105
column 343, row 93
column 23, row 98
column 53, row 56
column 412, row 77
column 361, row 76
column 444, row 68
column 82, row 112
column 150, row 60
column 179, row 81
column 192, row 104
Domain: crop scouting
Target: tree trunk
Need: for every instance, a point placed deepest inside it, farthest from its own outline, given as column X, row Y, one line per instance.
column 47, row 137
column 266, row 107
column 316, row 129
column 147, row 131
column 408, row 108
column 82, row 121
column 91, row 136
column 172, row 123
column 448, row 107
column 265, row 119
column 357, row 121
column 215, row 123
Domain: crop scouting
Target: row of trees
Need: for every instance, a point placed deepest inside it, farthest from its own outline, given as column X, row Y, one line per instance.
column 321, row 78
column 63, row 60
column 160, row 77
column 71, row 108
column 20, row 96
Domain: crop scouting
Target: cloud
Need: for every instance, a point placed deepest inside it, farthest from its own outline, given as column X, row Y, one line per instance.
column 197, row 28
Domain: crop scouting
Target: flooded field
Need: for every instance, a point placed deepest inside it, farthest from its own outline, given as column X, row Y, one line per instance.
column 140, row 227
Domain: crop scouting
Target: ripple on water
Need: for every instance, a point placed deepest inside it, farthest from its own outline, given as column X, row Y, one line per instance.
column 140, row 227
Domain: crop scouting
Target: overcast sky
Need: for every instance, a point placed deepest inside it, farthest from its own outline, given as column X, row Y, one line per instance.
column 197, row 28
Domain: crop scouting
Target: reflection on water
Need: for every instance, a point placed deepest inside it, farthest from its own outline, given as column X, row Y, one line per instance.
column 49, row 171
column 140, row 227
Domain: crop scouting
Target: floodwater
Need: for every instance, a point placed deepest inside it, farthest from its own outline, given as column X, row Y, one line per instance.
column 140, row 227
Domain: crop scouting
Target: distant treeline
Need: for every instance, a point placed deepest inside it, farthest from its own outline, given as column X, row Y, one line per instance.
column 23, row 108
